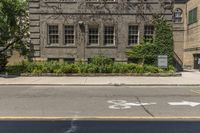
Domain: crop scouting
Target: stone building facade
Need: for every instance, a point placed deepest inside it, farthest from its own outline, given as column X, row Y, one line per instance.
column 80, row 29
column 187, row 32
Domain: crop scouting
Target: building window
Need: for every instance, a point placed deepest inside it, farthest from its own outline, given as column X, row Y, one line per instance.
column 69, row 35
column 109, row 35
column 193, row 16
column 133, row 35
column 133, row 60
column 69, row 60
column 148, row 33
column 53, row 34
column 93, row 35
column 178, row 16
column 52, row 59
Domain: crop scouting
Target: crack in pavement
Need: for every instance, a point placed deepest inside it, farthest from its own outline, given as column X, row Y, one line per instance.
column 145, row 109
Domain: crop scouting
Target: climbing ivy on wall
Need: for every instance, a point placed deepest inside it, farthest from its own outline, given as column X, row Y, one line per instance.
column 164, row 38
column 147, row 52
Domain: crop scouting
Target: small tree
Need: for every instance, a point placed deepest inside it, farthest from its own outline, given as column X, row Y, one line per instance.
column 13, row 28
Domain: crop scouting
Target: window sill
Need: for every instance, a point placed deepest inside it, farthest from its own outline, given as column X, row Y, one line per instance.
column 101, row 47
column 92, row 45
column 96, row 2
column 64, row 1
column 61, row 47
column 110, row 46
column 53, row 45
column 130, row 46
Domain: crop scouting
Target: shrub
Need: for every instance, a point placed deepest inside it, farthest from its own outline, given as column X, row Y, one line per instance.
column 53, row 66
column 82, row 67
column 91, row 68
column 100, row 60
column 74, row 68
column 16, row 69
column 100, row 64
column 145, row 53
column 132, row 68
column 151, row 69
column 105, row 66
column 108, row 68
column 171, row 69
column 3, row 62
column 139, row 69
column 120, row 68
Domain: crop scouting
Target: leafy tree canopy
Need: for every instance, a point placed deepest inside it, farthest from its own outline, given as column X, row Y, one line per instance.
column 13, row 25
column 13, row 28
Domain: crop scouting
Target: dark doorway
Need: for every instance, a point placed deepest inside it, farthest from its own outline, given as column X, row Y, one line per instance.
column 196, row 61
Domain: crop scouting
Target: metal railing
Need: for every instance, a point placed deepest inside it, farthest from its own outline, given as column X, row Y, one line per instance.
column 178, row 64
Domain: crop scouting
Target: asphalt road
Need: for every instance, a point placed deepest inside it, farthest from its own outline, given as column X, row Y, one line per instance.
column 99, row 127
column 98, row 102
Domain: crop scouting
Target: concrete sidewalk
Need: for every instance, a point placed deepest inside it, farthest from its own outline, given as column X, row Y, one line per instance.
column 187, row 79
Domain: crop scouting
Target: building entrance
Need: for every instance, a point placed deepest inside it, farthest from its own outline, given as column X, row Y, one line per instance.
column 196, row 61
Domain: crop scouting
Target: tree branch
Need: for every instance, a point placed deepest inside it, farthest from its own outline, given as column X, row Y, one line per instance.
column 9, row 45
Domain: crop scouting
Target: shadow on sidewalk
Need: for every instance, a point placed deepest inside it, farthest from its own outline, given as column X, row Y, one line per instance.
column 191, row 70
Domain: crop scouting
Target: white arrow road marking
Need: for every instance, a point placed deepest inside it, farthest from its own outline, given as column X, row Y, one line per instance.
column 122, row 104
column 184, row 103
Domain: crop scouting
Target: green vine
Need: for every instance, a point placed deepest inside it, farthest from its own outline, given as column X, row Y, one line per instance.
column 162, row 44
column 164, row 38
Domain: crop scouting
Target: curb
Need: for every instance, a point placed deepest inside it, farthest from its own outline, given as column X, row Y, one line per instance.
column 99, row 118
column 99, row 84
column 97, row 75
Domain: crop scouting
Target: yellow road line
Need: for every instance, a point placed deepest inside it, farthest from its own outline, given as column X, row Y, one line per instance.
column 96, row 117
column 195, row 91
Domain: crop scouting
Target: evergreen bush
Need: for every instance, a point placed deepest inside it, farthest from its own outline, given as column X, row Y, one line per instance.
column 3, row 62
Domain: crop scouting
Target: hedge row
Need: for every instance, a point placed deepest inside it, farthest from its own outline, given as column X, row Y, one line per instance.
column 65, row 68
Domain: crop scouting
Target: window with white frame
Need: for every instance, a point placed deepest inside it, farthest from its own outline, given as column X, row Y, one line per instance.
column 133, row 35
column 178, row 15
column 93, row 35
column 148, row 33
column 109, row 35
column 69, row 35
column 53, row 35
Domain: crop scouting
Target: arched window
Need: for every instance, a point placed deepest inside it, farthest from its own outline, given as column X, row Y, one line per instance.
column 178, row 15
